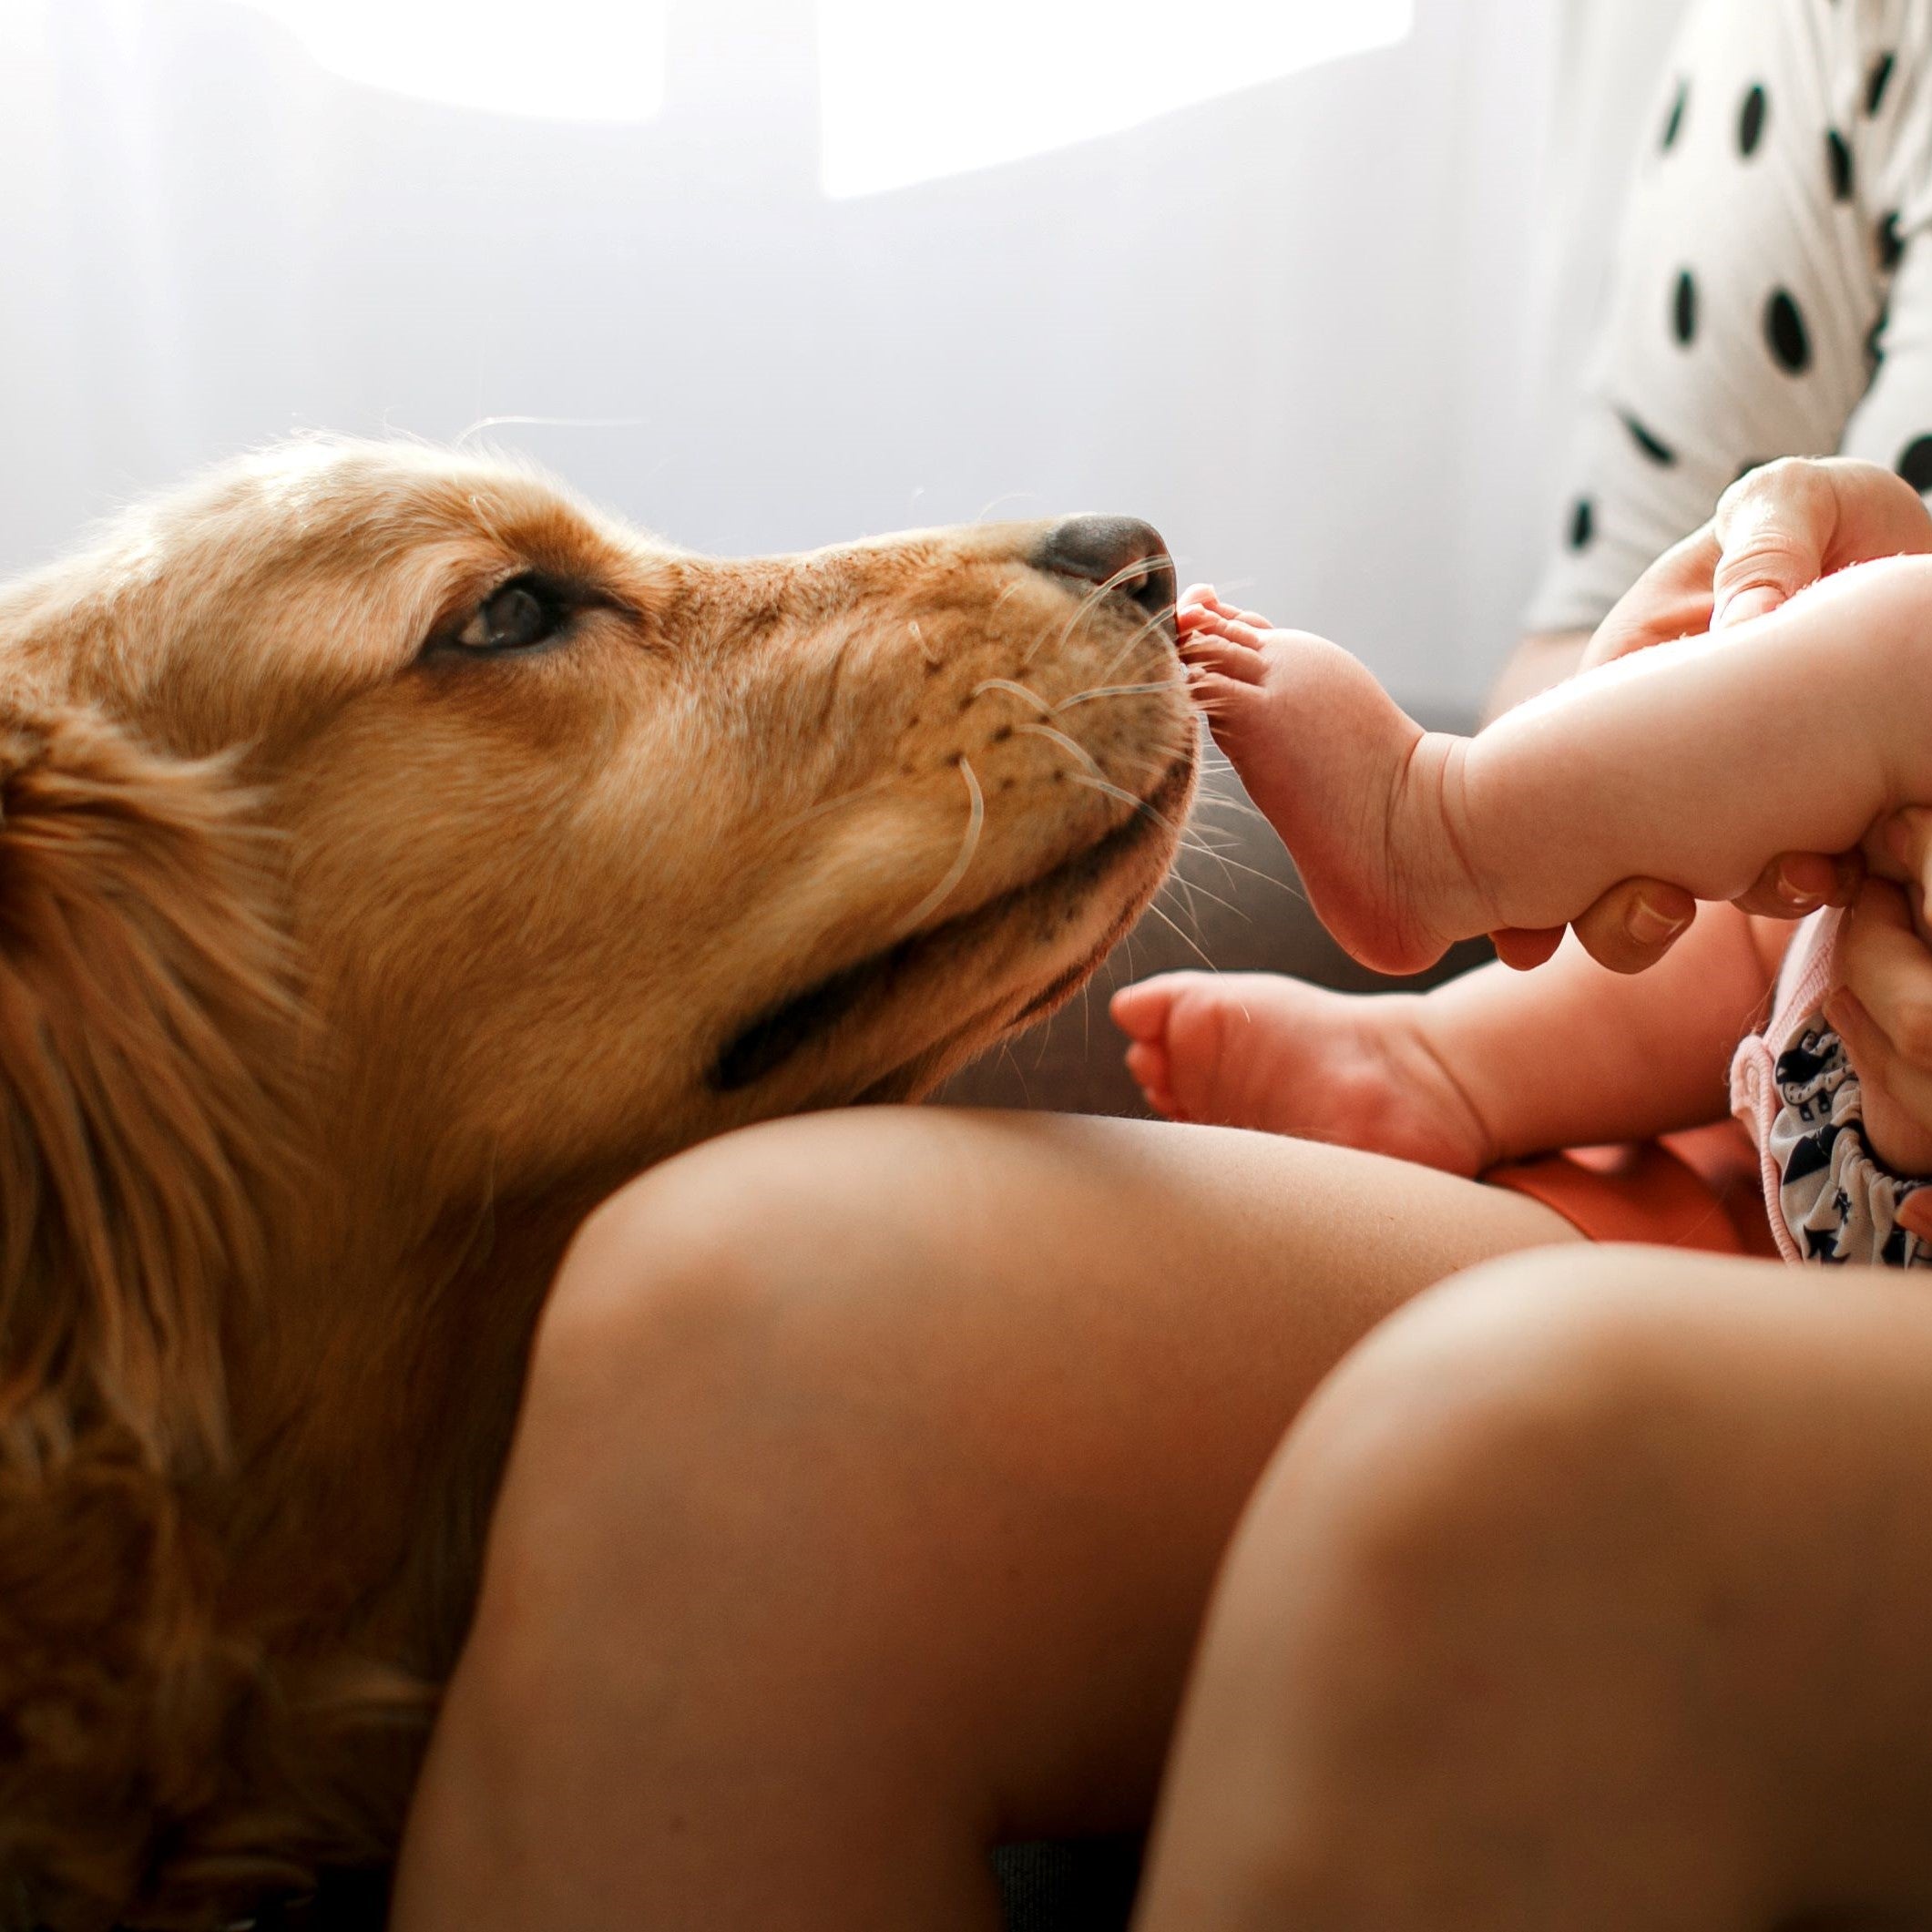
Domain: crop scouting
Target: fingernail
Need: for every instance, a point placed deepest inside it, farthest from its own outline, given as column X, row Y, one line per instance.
column 1650, row 924
column 1899, row 843
column 1800, row 898
column 1739, row 606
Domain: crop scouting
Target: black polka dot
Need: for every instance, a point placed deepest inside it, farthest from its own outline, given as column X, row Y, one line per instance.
column 1891, row 246
column 1658, row 451
column 1875, row 338
column 1684, row 309
column 1838, row 157
column 1674, row 124
column 1915, row 464
column 1750, row 121
column 1878, row 81
column 1582, row 524
column 1786, row 332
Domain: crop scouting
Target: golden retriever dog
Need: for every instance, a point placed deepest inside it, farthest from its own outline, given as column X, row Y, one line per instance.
column 395, row 855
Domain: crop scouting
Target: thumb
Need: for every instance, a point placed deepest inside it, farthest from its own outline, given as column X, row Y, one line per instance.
column 1773, row 528
column 1752, row 600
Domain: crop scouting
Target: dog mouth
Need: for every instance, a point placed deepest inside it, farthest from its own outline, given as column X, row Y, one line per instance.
column 780, row 1033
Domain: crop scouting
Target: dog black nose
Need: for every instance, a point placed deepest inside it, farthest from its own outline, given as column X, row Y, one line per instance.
column 1119, row 553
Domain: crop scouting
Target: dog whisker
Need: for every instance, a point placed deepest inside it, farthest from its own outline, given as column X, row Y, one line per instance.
column 1190, row 887
column 1156, row 622
column 1187, row 939
column 1016, row 689
column 968, row 846
column 1108, row 585
column 1193, row 910
column 831, row 804
column 1073, row 745
column 1126, row 798
column 1252, row 872
column 1114, row 690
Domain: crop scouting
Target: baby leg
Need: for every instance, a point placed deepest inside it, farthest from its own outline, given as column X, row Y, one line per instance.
column 1264, row 1051
column 1694, row 762
column 1590, row 1594
column 1335, row 766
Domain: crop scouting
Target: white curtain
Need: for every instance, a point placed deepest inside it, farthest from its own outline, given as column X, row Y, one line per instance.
column 1301, row 327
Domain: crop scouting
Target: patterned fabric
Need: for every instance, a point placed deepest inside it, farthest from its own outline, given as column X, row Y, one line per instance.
column 1838, row 1203
column 1830, row 1200
column 1773, row 292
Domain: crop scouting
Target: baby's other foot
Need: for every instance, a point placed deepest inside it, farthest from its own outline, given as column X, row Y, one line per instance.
column 1355, row 788
column 1282, row 1056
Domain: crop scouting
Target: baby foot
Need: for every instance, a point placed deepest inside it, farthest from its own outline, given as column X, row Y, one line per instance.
column 1358, row 792
column 1282, row 1056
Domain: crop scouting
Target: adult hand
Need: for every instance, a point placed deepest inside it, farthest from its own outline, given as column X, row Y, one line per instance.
column 1882, row 1007
column 1777, row 531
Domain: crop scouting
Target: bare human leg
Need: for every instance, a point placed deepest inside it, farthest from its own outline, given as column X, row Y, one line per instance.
column 872, row 1478
column 1264, row 1051
column 1592, row 1594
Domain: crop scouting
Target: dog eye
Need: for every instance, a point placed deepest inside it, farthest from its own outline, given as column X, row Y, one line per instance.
column 524, row 612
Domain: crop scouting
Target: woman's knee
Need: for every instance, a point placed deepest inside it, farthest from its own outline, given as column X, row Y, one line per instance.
column 1446, row 1613
column 1509, row 1437
column 726, row 1342
column 696, row 1265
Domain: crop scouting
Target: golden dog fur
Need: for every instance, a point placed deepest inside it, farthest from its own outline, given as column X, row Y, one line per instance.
column 344, row 966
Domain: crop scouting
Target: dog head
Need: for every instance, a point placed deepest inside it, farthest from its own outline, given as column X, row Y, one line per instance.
column 594, row 846
column 385, row 836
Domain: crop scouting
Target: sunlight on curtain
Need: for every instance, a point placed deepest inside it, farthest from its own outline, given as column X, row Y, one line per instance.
column 566, row 60
column 912, row 92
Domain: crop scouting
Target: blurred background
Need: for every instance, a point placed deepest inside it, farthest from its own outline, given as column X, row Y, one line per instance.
column 1307, row 282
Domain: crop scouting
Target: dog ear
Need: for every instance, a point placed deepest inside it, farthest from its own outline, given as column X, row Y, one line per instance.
column 144, row 1014
column 143, row 1000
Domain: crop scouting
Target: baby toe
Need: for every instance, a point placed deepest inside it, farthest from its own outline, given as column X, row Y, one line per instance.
column 1140, row 1010
column 1212, row 655
column 1146, row 1067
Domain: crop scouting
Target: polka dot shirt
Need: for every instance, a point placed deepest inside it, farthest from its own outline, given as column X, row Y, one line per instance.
column 1772, row 295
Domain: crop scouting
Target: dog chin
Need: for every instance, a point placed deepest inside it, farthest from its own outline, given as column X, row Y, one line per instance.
column 836, row 1019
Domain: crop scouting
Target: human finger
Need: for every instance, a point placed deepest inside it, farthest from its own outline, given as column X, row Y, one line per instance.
column 1525, row 948
column 1887, row 969
column 1905, row 842
column 1671, row 599
column 1881, row 1009
column 1897, row 1094
column 1635, row 924
column 1774, row 526
column 1797, row 883
column 1915, row 1213
column 1784, row 525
